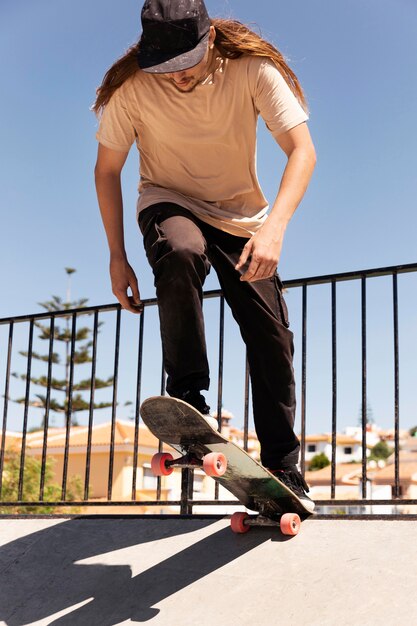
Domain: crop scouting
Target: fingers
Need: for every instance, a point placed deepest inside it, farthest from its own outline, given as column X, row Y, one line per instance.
column 259, row 267
column 258, row 271
column 245, row 255
column 122, row 297
column 128, row 302
column 135, row 305
column 134, row 299
column 123, row 279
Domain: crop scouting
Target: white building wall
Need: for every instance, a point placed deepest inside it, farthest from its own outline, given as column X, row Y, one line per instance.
column 320, row 447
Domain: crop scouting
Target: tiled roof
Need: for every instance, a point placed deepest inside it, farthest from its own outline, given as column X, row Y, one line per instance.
column 124, row 434
column 386, row 475
column 351, row 473
column 316, row 438
column 12, row 439
column 327, row 438
column 346, row 474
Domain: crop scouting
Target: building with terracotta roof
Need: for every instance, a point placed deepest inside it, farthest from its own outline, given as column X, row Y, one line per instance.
column 123, row 460
column 122, row 476
column 384, row 478
column 380, row 483
column 348, row 448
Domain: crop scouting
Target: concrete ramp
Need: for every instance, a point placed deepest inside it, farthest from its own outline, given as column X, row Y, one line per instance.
column 188, row 572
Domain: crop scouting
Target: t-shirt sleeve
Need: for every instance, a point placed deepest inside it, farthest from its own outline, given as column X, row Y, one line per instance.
column 274, row 100
column 116, row 130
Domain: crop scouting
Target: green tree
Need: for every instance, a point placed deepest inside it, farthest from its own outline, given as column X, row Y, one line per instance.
column 318, row 462
column 82, row 354
column 31, row 486
column 380, row 452
column 413, row 431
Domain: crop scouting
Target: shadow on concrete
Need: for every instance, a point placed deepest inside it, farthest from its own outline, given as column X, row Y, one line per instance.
column 40, row 576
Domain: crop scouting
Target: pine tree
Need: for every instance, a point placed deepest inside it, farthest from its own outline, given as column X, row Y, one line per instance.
column 369, row 415
column 82, row 355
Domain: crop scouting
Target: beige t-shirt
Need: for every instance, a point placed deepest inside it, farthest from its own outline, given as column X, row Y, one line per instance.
column 198, row 149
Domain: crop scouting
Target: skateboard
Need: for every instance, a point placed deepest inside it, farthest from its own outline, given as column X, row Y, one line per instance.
column 182, row 427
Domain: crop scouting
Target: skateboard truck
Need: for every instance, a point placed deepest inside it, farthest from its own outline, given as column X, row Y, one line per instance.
column 214, row 464
column 289, row 523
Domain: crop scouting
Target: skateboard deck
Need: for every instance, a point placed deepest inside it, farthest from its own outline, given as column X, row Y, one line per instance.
column 182, row 427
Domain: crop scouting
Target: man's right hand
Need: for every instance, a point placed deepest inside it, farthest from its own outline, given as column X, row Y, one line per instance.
column 123, row 277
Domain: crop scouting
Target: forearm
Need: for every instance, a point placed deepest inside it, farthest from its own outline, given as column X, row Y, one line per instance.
column 109, row 195
column 264, row 248
column 294, row 182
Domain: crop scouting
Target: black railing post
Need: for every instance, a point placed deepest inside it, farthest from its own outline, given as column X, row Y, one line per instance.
column 396, row 386
column 160, row 445
column 246, row 407
column 220, row 378
column 91, row 408
column 303, row 380
column 334, row 392
column 137, row 406
column 364, row 389
column 6, row 403
column 114, row 403
column 68, row 400
column 220, row 369
column 26, row 412
column 187, row 480
column 47, row 407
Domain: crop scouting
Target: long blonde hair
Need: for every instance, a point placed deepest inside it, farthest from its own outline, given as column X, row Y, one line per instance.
column 233, row 40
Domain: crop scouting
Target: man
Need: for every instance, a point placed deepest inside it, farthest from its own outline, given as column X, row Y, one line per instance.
column 189, row 93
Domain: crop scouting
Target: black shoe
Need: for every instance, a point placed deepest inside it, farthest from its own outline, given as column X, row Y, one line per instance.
column 197, row 400
column 292, row 479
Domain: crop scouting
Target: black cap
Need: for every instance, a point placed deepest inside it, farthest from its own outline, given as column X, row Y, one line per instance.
column 175, row 35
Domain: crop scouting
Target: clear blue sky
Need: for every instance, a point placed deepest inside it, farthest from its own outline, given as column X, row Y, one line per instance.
column 356, row 60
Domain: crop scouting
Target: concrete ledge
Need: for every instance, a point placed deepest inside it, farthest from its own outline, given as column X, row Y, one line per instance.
column 172, row 571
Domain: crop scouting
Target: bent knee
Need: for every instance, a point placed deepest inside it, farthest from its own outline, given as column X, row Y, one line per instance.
column 185, row 252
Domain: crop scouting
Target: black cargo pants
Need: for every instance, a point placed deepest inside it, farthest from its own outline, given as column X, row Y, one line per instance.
column 181, row 249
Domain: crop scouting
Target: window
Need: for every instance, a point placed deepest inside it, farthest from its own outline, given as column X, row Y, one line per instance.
column 348, row 450
column 311, row 447
column 149, row 480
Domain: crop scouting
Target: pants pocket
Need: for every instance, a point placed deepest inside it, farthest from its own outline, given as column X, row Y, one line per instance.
column 154, row 239
column 282, row 305
column 146, row 220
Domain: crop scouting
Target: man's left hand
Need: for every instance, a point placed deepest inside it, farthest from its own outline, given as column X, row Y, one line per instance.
column 264, row 250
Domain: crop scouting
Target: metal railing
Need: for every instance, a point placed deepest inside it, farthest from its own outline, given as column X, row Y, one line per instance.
column 187, row 500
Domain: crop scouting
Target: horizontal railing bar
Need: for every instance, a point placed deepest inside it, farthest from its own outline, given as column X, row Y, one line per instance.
column 103, row 503
column 88, row 310
column 396, row 502
column 215, row 293
column 317, row 502
column 394, row 517
column 365, row 502
column 355, row 275
column 406, row 517
column 216, row 502
column 106, row 516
